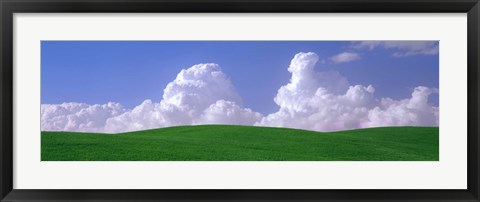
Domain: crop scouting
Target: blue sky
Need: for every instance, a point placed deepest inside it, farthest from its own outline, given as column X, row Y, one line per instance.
column 128, row 72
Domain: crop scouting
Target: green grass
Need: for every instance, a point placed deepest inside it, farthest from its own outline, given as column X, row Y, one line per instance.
column 244, row 143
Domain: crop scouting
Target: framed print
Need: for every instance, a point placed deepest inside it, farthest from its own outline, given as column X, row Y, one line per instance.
column 239, row 101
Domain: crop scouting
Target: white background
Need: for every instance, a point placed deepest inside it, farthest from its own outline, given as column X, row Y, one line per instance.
column 448, row 173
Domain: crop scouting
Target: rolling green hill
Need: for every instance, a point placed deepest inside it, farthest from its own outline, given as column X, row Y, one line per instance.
column 244, row 143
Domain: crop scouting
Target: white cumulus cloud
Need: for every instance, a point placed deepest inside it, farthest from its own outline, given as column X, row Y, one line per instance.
column 77, row 116
column 401, row 48
column 408, row 112
column 345, row 57
column 200, row 94
column 228, row 112
column 314, row 101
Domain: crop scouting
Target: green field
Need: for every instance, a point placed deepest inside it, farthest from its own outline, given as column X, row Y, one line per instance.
column 244, row 143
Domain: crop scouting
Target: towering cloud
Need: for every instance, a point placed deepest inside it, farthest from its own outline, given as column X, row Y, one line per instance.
column 203, row 94
column 323, row 101
column 200, row 94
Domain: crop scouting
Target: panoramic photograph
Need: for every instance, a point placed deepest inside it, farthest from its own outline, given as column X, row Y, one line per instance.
column 239, row 101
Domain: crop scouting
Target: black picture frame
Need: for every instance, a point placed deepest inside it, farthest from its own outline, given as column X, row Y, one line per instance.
column 9, row 7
